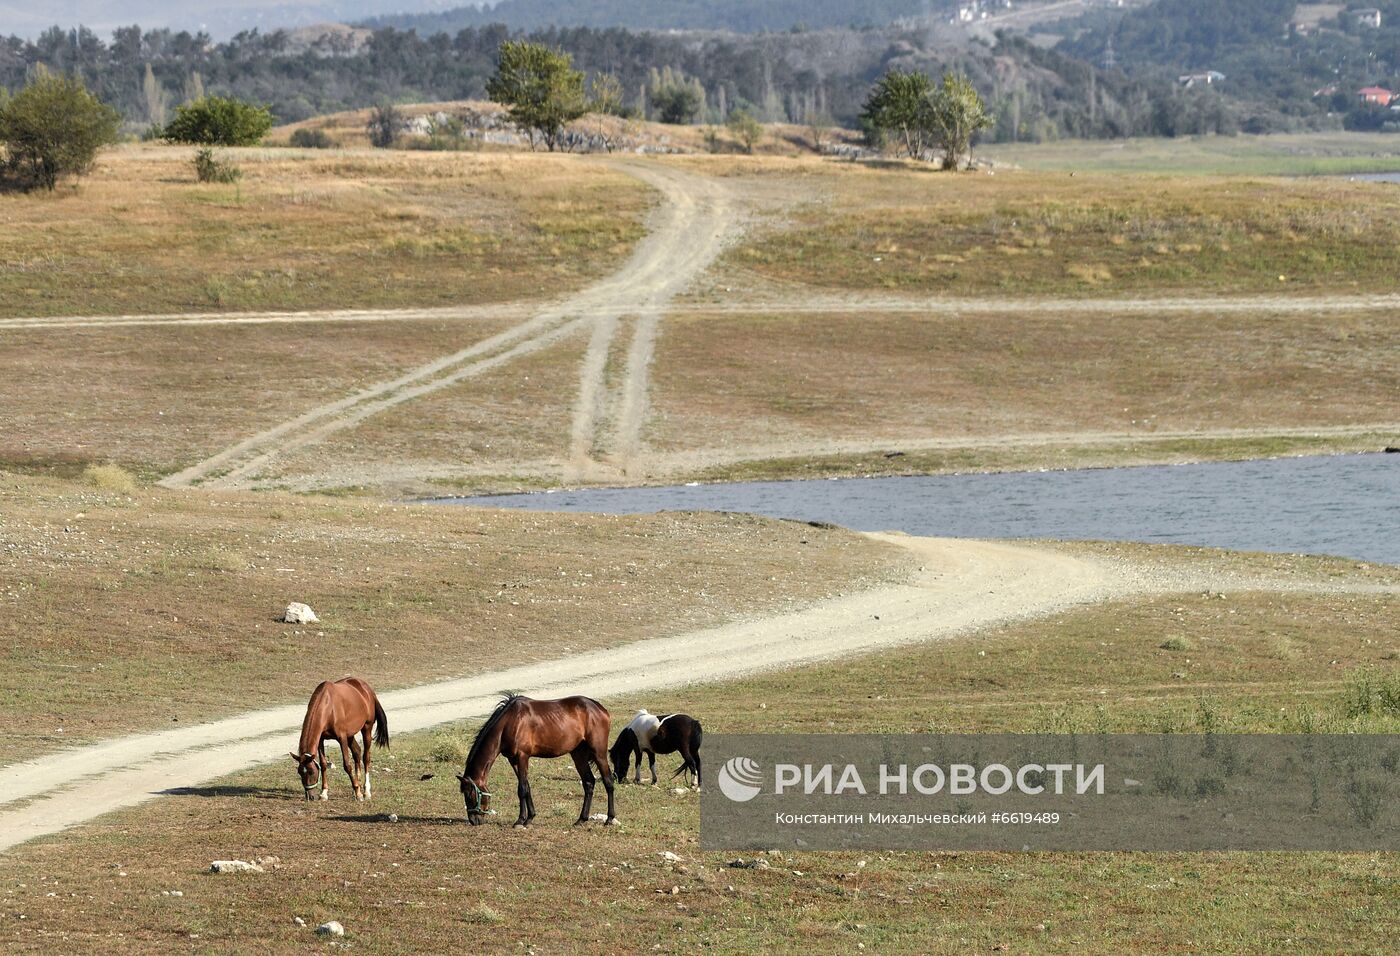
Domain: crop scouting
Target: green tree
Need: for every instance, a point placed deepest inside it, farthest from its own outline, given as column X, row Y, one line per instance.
column 52, row 128
column 219, row 121
column 746, row 129
column 675, row 99
column 607, row 95
column 540, row 89
column 957, row 114
column 899, row 106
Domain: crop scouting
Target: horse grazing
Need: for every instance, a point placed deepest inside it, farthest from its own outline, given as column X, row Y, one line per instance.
column 521, row 728
column 337, row 711
column 651, row 735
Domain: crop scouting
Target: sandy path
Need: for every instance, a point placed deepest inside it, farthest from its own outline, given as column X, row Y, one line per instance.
column 963, row 585
column 797, row 300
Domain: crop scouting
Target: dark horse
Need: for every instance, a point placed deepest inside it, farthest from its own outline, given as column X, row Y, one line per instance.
column 522, row 728
column 337, row 711
column 668, row 734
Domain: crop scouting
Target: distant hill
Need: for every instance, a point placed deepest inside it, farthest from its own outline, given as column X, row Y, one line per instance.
column 1288, row 64
column 739, row 16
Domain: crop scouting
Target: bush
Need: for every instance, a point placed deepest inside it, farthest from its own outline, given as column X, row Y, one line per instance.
column 52, row 128
column 210, row 169
column 745, row 128
column 219, row 121
column 109, row 478
column 1175, row 644
column 311, row 139
column 448, row 749
column 384, row 125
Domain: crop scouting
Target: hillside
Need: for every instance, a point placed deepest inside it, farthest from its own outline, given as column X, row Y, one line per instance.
column 1285, row 64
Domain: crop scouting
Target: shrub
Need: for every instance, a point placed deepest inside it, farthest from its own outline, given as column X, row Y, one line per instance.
column 210, row 169
column 311, row 139
column 219, row 121
column 1175, row 644
column 483, row 915
column 109, row 478
column 745, row 128
column 53, row 128
column 448, row 749
column 384, row 125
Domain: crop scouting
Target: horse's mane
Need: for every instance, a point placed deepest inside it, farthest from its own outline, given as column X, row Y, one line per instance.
column 480, row 739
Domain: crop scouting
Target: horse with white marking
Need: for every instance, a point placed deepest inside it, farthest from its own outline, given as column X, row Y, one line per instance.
column 337, row 711
column 652, row 735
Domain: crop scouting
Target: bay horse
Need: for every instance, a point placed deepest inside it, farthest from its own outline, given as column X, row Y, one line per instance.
column 521, row 728
column 651, row 735
column 337, row 711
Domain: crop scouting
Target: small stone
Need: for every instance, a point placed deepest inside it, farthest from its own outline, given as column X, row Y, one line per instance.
column 670, row 857
column 393, row 818
column 298, row 613
column 333, row 928
column 679, row 790
column 234, row 866
column 298, row 921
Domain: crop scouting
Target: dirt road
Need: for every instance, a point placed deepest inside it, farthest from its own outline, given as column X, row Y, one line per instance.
column 962, row 585
column 688, row 230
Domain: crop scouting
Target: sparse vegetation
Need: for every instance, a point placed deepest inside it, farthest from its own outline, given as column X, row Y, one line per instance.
column 331, row 231
column 52, row 128
column 211, row 168
column 746, row 129
column 110, row 478
column 1080, row 675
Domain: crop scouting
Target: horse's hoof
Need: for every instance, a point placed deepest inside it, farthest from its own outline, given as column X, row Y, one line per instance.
column 325, row 794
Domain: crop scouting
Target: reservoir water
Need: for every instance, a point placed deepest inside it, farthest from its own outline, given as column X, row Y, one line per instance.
column 1347, row 505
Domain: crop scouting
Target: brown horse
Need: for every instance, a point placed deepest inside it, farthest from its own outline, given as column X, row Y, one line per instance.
column 522, row 728
column 338, row 710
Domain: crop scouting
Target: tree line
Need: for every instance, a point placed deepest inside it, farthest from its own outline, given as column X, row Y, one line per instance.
column 810, row 78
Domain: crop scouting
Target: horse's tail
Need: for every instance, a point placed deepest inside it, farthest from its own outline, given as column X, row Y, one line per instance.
column 381, row 720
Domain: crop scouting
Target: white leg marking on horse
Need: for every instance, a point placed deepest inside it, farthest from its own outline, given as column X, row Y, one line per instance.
column 325, row 793
column 369, row 788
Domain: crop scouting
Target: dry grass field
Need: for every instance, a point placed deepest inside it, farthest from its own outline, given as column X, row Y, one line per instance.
column 130, row 611
column 156, row 398
column 1244, row 662
column 1283, row 154
column 313, row 230
column 901, row 228
column 744, row 382
column 996, row 386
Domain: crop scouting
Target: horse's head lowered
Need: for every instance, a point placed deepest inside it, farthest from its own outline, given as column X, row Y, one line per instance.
column 310, row 772
column 476, row 798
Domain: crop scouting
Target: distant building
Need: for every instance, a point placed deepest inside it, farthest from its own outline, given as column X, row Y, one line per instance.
column 1208, row 78
column 1375, row 95
column 1369, row 17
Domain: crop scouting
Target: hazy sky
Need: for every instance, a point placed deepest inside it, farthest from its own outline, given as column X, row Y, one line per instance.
column 222, row 18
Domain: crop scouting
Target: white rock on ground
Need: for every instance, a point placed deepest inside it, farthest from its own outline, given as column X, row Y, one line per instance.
column 234, row 866
column 298, row 613
column 332, row 928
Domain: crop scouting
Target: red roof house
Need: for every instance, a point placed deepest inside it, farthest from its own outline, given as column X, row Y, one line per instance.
column 1378, row 95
